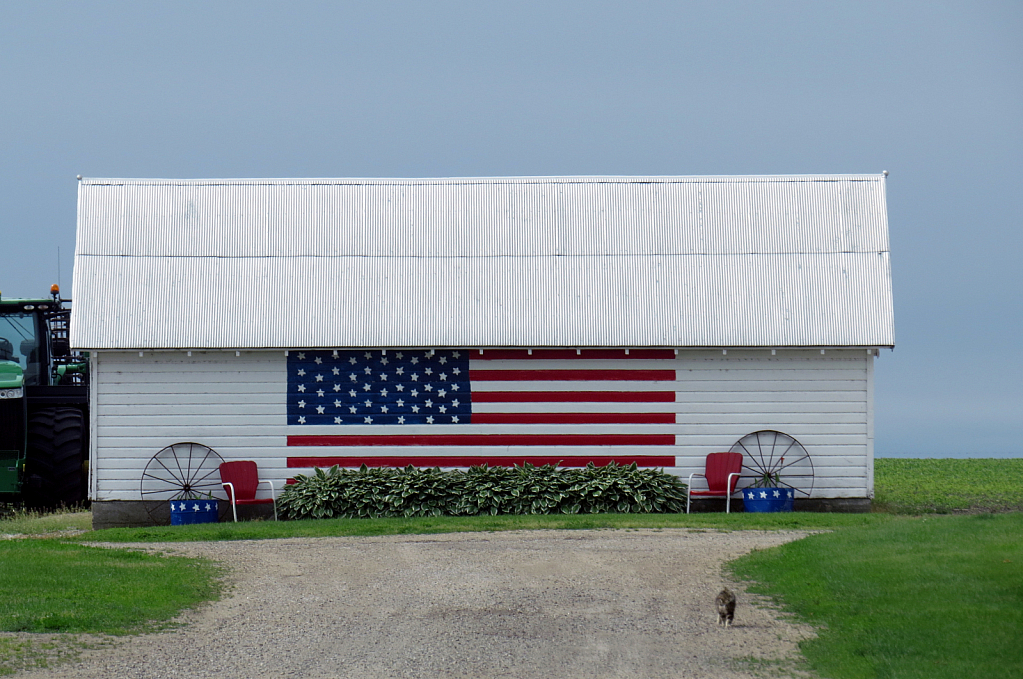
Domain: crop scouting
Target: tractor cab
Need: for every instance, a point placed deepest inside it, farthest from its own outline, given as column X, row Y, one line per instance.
column 43, row 404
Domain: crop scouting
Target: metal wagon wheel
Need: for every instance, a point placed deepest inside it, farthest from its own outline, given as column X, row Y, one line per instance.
column 777, row 454
column 179, row 471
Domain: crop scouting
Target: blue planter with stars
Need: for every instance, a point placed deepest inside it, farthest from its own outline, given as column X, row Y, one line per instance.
column 184, row 512
column 768, row 499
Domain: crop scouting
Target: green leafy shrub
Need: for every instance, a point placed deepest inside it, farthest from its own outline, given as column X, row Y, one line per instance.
column 409, row 492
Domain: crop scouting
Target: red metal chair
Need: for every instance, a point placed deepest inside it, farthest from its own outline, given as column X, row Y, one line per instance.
column 240, row 479
column 722, row 473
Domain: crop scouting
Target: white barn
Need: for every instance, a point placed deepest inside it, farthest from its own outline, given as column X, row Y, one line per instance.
column 647, row 319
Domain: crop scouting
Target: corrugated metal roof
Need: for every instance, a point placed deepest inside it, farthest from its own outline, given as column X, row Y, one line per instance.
column 535, row 261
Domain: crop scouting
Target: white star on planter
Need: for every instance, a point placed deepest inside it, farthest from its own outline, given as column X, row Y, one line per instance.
column 777, row 493
column 763, row 495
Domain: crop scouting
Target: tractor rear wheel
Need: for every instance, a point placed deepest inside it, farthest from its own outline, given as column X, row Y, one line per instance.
column 55, row 459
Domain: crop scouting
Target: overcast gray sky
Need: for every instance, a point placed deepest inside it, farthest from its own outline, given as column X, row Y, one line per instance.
column 931, row 91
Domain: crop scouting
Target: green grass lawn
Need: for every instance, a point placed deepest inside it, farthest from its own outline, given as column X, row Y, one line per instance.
column 49, row 586
column 915, row 597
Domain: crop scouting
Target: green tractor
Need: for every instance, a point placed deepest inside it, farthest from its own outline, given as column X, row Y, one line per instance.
column 44, row 405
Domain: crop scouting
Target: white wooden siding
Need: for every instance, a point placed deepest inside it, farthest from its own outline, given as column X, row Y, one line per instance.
column 235, row 404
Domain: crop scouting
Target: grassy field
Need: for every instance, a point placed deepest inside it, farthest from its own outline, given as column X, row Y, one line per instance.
column 910, row 590
column 907, row 486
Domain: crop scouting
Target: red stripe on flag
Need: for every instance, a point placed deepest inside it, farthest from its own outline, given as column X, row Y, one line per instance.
column 478, row 460
column 485, row 440
column 573, row 418
column 571, row 375
column 561, row 354
column 573, row 396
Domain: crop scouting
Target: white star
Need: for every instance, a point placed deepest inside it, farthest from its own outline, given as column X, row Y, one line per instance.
column 367, row 370
column 337, row 387
column 415, row 393
column 428, row 387
column 319, row 392
column 777, row 493
column 319, row 360
column 353, row 360
column 337, row 420
column 301, row 387
column 383, row 361
column 367, row 355
column 383, row 409
column 429, row 403
column 429, row 420
column 399, row 355
column 301, row 355
column 444, row 377
column 319, row 378
column 368, row 403
column 337, row 403
column 457, row 371
column 336, row 370
column 401, row 419
column 414, row 360
column 352, row 393
column 415, row 409
column 301, row 404
column 368, row 420
column 454, row 419
column 401, row 403
column 301, row 419
column 454, row 404
column 352, row 409
column 455, row 354
column 383, row 392
column 383, row 377
column 429, row 371
column 353, row 377
column 443, row 360
column 319, row 410
column 443, row 409
column 195, row 507
column 400, row 387
column 399, row 370
column 414, row 377
column 301, row 372
column 366, row 387
column 441, row 393
column 454, row 387
column 763, row 495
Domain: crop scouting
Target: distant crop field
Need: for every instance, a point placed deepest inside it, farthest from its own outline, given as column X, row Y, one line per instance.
column 926, row 486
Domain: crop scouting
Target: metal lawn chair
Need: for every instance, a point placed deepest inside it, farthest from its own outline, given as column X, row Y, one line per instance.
column 721, row 473
column 240, row 479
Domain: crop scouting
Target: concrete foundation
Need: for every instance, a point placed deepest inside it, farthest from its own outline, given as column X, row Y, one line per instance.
column 132, row 513
column 846, row 505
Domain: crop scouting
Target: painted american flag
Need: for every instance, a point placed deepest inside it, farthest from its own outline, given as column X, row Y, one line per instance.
column 459, row 407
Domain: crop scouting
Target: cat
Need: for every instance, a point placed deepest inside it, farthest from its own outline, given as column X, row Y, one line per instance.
column 726, row 607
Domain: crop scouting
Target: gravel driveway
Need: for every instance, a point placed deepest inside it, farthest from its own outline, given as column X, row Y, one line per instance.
column 611, row 603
